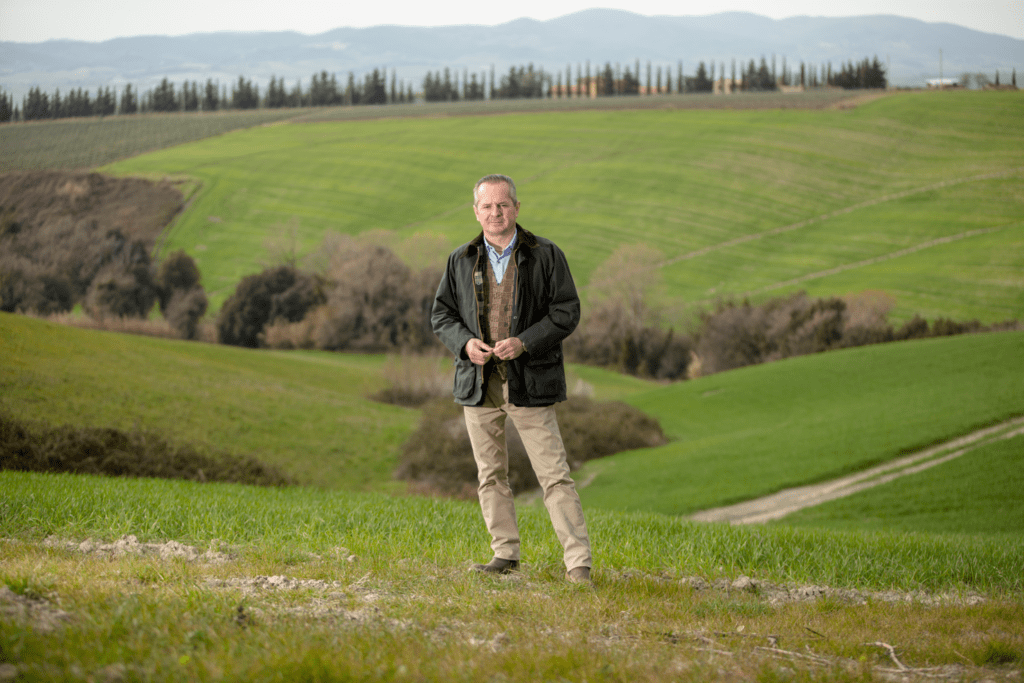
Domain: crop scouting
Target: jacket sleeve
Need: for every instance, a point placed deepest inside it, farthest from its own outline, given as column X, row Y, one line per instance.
column 559, row 317
column 446, row 317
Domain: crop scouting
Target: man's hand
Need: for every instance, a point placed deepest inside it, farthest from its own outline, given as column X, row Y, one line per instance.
column 507, row 349
column 478, row 352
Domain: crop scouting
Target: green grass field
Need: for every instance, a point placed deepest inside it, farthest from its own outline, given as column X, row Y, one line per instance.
column 914, row 194
column 977, row 493
column 336, row 586
column 305, row 411
column 750, row 432
column 917, row 195
column 736, row 435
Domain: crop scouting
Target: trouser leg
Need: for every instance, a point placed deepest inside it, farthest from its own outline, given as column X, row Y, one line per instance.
column 486, row 427
column 538, row 428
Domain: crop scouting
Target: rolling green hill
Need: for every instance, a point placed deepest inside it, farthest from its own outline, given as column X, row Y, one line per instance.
column 307, row 412
column 750, row 432
column 736, row 435
column 914, row 194
column 977, row 493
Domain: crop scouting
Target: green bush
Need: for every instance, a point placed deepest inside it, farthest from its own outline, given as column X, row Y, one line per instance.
column 283, row 292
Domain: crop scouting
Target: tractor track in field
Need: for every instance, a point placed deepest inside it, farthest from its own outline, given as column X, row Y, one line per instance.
column 877, row 259
column 837, row 212
column 778, row 505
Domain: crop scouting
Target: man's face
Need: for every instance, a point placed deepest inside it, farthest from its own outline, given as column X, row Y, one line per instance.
column 496, row 212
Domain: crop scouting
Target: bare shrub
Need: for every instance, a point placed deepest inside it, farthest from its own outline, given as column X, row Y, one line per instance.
column 123, row 288
column 140, row 326
column 620, row 330
column 734, row 335
column 59, row 230
column 26, row 287
column 182, row 298
column 38, row 447
column 184, row 309
column 176, row 272
column 414, row 379
column 282, row 334
column 374, row 301
column 866, row 318
column 439, row 457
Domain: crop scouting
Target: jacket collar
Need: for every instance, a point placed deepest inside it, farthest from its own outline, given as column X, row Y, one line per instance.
column 523, row 236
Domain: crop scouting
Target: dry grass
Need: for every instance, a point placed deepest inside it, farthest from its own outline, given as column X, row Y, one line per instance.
column 148, row 327
column 414, row 379
column 264, row 616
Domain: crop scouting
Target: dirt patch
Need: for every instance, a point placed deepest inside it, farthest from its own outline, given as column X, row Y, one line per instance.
column 129, row 545
column 776, row 594
column 35, row 612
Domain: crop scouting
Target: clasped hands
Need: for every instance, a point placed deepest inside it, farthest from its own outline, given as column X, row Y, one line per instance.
column 507, row 349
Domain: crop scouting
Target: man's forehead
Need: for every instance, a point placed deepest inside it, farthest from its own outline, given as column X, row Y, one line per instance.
column 495, row 191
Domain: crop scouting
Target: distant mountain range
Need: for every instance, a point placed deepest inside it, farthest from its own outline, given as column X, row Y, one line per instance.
column 910, row 48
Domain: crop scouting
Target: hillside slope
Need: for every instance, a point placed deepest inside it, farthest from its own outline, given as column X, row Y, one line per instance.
column 915, row 195
column 750, row 432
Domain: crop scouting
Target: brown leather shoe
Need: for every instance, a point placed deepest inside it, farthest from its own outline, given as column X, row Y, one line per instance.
column 497, row 566
column 579, row 575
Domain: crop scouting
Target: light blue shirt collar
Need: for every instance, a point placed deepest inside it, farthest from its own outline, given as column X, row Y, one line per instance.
column 499, row 262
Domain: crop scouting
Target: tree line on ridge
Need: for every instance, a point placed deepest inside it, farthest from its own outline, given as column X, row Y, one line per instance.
column 376, row 87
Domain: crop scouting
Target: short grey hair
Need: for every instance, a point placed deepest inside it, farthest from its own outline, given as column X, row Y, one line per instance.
column 496, row 178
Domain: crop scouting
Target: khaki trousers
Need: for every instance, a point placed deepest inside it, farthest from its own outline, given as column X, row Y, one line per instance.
column 538, row 428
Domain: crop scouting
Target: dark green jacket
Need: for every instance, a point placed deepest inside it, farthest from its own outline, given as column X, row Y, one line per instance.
column 545, row 311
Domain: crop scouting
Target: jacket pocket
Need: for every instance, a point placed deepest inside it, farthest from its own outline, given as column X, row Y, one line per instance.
column 465, row 379
column 545, row 381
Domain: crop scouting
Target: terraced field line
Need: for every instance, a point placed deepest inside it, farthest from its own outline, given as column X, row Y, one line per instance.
column 878, row 259
column 778, row 505
column 838, row 212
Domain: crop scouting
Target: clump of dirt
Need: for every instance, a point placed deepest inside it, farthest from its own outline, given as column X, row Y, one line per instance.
column 130, row 545
column 355, row 602
column 255, row 584
column 776, row 594
column 33, row 611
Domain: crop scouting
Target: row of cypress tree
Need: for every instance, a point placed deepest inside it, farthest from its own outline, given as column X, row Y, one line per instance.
column 375, row 88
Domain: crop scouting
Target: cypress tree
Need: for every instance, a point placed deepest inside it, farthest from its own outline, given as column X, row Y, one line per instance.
column 6, row 107
column 210, row 99
column 129, row 105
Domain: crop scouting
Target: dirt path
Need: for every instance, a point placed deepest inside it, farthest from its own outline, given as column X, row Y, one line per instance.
column 778, row 505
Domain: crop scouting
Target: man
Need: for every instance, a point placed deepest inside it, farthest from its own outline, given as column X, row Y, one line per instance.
column 505, row 303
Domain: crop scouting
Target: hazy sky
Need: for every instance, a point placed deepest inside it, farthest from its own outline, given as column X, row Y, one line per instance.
column 97, row 20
